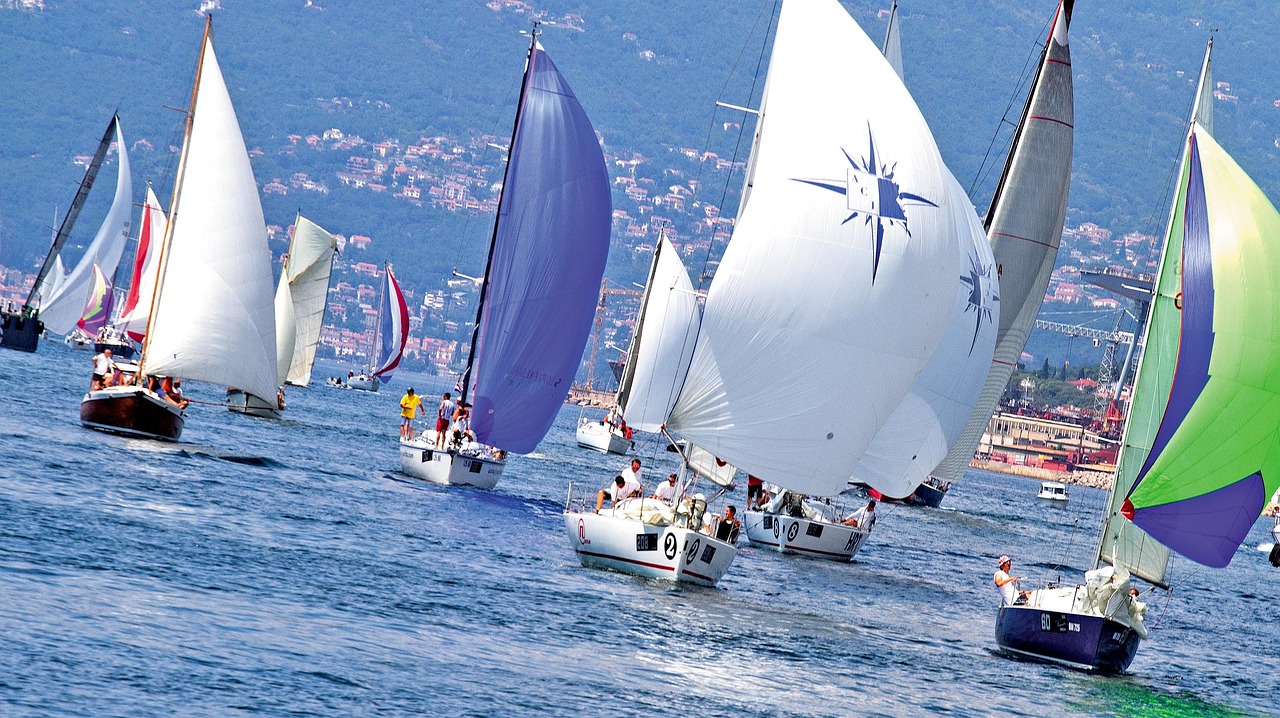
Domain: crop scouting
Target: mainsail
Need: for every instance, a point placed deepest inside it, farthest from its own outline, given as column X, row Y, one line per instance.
column 310, row 263
column 60, row 309
column 393, row 328
column 213, row 318
column 546, row 260
column 146, row 268
column 828, row 302
column 662, row 345
column 1121, row 541
column 1024, row 225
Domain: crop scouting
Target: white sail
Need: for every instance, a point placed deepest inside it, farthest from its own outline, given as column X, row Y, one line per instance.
column 929, row 420
column 134, row 320
column 310, row 263
column 65, row 300
column 213, row 318
column 286, row 326
column 1025, row 227
column 893, row 43
column 830, row 297
column 662, row 346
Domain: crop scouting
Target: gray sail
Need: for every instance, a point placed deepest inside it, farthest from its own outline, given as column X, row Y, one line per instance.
column 1024, row 226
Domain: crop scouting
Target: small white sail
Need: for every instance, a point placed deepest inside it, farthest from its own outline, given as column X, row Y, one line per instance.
column 286, row 327
column 134, row 319
column 665, row 334
column 65, row 300
column 839, row 279
column 929, row 420
column 310, row 263
column 214, row 319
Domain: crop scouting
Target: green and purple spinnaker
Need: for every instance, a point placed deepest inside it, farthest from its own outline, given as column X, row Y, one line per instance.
column 1216, row 454
column 98, row 308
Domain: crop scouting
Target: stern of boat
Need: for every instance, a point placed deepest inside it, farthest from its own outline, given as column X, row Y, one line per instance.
column 132, row 411
column 420, row 459
column 816, row 539
column 1048, row 628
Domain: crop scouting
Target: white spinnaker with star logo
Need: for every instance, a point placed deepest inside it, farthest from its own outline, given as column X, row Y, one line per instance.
column 933, row 413
column 802, row 357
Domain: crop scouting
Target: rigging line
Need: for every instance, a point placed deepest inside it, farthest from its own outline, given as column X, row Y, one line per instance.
column 706, row 145
column 1066, row 551
column 1023, row 77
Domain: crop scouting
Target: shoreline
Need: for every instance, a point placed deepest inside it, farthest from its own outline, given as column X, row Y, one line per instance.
column 1092, row 479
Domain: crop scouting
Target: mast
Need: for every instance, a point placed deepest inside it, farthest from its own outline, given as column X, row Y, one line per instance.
column 1022, row 123
column 82, row 193
column 595, row 338
column 629, row 370
column 177, row 192
column 493, row 240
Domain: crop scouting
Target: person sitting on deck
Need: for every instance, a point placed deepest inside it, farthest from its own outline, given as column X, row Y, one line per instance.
column 725, row 528
column 171, row 390
column 666, row 491
column 620, row 490
column 863, row 518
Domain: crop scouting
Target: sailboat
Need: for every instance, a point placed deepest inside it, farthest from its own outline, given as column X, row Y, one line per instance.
column 56, row 299
column 668, row 289
column 213, row 294
column 538, row 295
column 1197, row 464
column 311, row 253
column 93, row 319
column 849, row 226
column 1024, row 226
column 390, row 334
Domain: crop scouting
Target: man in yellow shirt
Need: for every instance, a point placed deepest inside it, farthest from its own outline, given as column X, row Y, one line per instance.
column 408, row 403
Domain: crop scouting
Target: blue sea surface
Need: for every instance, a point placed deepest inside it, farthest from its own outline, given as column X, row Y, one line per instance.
column 287, row 568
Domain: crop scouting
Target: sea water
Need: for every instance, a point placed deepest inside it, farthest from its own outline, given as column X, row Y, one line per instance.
column 287, row 568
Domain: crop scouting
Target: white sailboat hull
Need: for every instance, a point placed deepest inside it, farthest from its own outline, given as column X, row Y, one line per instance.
column 642, row 549
column 818, row 539
column 245, row 403
column 595, row 435
column 421, row 460
column 364, row 383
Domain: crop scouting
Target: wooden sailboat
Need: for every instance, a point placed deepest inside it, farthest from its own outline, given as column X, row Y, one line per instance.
column 1024, row 226
column 213, row 294
column 538, row 295
column 56, row 299
column 1197, row 461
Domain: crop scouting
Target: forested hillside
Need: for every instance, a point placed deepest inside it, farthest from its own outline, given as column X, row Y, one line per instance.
column 648, row 74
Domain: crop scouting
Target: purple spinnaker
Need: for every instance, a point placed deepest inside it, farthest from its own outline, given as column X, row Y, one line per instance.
column 549, row 253
column 1210, row 527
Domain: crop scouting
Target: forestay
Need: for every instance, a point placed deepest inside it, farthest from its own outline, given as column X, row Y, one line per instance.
column 662, row 345
column 547, row 259
column 829, row 299
column 213, row 318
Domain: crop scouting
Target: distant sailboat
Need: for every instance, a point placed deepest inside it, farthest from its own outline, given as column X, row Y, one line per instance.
column 541, row 282
column 311, row 255
column 391, row 333
column 56, row 299
column 846, row 197
column 96, row 311
column 1197, row 464
column 213, row 297
column 1024, row 225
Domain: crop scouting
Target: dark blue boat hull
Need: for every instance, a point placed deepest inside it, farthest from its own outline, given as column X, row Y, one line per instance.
column 926, row 495
column 1078, row 640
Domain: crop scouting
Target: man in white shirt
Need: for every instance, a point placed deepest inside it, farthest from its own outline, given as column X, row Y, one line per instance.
column 617, row 492
column 1005, row 582
column 102, row 365
column 632, row 476
column 666, row 490
column 863, row 518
